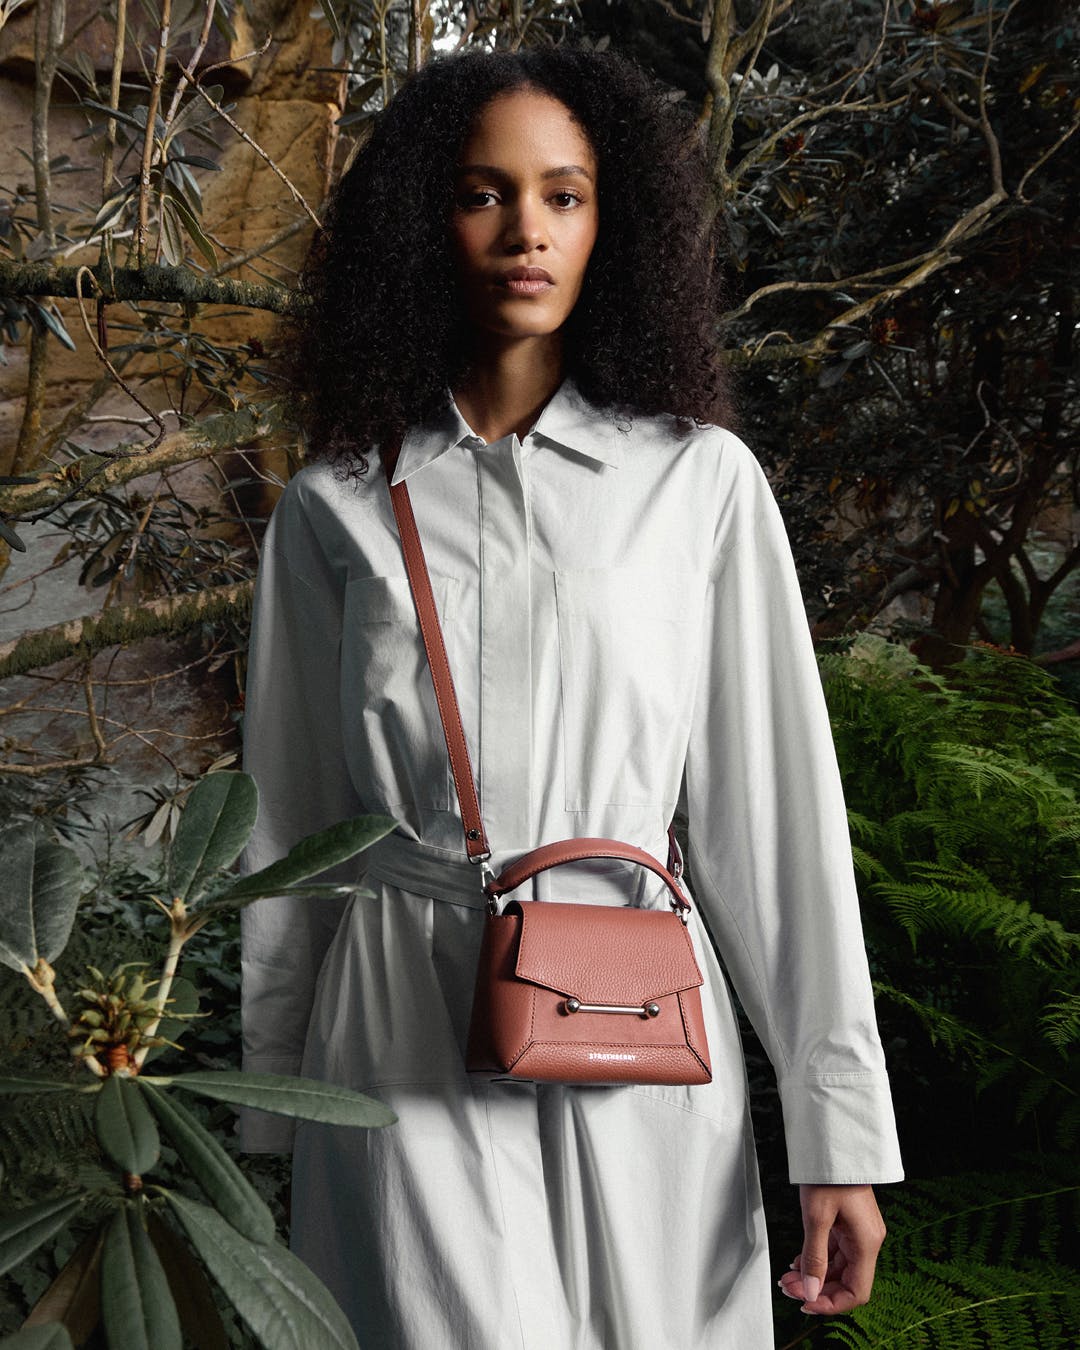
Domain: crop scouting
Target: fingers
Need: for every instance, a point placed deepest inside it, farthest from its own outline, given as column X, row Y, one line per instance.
column 842, row 1235
column 865, row 1232
column 819, row 1214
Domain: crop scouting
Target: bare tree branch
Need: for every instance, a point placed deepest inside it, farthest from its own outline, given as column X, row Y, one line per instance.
column 169, row 614
column 152, row 282
column 92, row 474
column 148, row 139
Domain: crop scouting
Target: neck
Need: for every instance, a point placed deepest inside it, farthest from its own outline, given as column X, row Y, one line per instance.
column 508, row 385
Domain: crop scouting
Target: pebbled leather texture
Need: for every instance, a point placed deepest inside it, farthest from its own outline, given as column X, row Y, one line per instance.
column 536, row 954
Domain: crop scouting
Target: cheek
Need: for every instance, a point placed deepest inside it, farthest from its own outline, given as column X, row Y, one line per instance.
column 465, row 239
column 585, row 241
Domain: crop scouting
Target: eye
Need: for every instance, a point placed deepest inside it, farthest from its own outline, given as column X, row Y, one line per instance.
column 570, row 198
column 474, row 197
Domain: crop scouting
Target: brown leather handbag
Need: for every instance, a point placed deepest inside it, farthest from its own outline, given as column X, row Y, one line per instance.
column 565, row 993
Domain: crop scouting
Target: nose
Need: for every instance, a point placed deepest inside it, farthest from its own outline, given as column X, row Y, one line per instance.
column 525, row 228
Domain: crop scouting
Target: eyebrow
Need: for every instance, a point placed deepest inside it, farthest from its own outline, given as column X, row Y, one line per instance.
column 493, row 171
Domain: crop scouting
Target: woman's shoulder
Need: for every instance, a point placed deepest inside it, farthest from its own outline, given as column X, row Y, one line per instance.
column 320, row 492
column 716, row 453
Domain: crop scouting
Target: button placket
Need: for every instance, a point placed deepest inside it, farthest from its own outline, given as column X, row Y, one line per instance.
column 505, row 648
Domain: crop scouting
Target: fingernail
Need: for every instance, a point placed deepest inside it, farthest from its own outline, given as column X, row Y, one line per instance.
column 812, row 1285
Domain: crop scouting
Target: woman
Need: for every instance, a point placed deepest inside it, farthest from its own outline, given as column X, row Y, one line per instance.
column 513, row 276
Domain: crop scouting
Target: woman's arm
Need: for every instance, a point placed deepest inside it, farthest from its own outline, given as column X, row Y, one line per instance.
column 293, row 749
column 771, row 857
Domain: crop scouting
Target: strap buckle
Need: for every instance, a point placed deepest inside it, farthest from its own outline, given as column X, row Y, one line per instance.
column 487, row 876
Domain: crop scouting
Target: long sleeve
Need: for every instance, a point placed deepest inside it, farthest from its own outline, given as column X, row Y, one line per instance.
column 293, row 749
column 769, row 847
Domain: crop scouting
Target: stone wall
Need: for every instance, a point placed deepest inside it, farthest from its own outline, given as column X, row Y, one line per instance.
column 164, row 707
column 284, row 102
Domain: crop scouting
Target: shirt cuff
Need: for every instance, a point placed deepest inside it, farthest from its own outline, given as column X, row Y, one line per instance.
column 266, row 1131
column 840, row 1130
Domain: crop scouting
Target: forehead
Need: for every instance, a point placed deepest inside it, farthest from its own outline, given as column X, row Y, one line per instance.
column 526, row 125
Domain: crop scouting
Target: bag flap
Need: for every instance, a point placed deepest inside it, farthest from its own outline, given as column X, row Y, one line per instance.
column 605, row 953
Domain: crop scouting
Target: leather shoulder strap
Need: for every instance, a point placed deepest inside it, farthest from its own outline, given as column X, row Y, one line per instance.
column 476, row 844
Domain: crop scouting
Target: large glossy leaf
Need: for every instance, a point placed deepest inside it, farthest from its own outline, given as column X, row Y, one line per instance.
column 282, row 1302
column 26, row 1229
column 310, row 856
column 136, row 1305
column 214, row 827
column 228, row 1190
column 306, row 1098
column 124, row 1127
column 51, row 1337
column 200, row 1320
column 38, row 898
column 73, row 1297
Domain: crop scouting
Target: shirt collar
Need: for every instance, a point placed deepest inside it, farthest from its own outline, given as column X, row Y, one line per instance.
column 568, row 421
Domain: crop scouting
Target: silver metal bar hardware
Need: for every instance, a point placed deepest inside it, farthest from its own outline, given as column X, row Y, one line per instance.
column 575, row 1005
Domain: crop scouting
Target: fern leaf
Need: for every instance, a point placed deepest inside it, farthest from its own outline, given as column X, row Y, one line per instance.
column 1060, row 1022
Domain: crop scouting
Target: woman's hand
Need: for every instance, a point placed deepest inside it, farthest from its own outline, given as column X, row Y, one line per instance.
column 842, row 1234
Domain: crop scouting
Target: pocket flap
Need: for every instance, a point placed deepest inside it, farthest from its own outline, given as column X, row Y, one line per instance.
column 604, row 953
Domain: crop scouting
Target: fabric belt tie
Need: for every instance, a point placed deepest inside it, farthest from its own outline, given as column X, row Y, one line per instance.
column 425, row 871
column 442, row 875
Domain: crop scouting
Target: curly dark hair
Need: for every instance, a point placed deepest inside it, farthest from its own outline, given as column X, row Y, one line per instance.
column 380, row 332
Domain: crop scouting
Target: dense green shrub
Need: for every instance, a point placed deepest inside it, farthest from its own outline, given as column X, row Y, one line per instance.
column 962, row 792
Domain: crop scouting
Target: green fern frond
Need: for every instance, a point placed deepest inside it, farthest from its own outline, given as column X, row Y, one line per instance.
column 935, row 904
column 961, row 1270
column 1060, row 1022
column 942, row 1027
column 1067, row 1129
column 43, row 1140
column 983, row 768
column 962, row 1305
column 933, row 828
column 866, row 865
column 864, row 829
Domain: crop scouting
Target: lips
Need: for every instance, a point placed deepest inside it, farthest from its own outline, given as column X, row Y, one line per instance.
column 528, row 274
column 526, row 280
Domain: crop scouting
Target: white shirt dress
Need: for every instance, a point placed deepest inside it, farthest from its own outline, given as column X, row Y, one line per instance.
column 626, row 633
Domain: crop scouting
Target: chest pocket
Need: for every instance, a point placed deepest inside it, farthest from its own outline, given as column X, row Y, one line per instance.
column 396, row 748
column 629, row 644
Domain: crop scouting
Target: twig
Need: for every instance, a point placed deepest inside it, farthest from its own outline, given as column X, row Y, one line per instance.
column 48, row 35
column 91, row 711
column 108, row 166
column 179, row 934
column 148, row 137
column 103, row 355
column 187, row 73
column 298, row 196
column 279, row 237
column 850, row 283
column 1069, row 131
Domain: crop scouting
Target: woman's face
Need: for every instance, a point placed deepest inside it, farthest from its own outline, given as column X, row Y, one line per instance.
column 525, row 198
